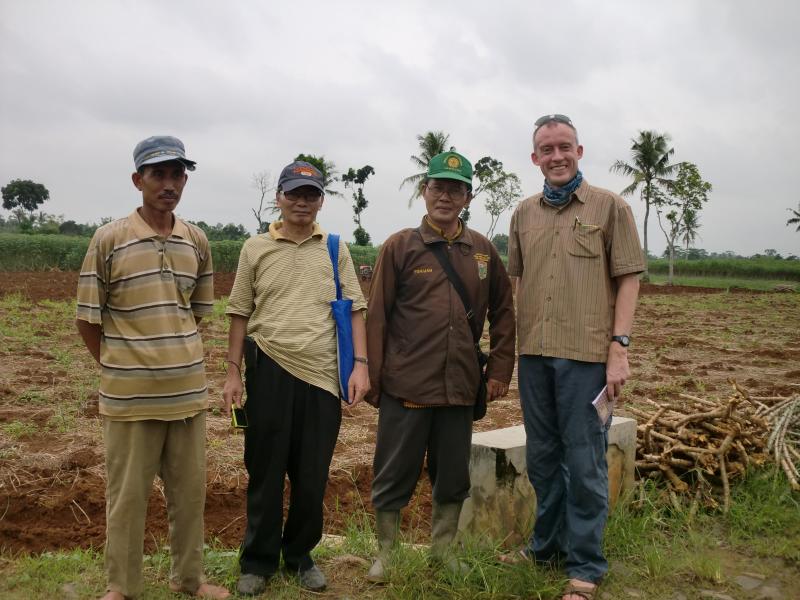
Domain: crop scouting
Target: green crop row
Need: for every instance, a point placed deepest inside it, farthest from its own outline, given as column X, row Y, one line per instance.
column 747, row 268
column 21, row 252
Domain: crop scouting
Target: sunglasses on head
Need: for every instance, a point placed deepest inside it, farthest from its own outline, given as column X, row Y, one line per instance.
column 553, row 119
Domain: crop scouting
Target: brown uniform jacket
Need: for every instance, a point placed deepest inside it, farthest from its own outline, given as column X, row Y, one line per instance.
column 419, row 342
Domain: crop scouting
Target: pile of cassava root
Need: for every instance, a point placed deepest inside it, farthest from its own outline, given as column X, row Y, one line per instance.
column 697, row 444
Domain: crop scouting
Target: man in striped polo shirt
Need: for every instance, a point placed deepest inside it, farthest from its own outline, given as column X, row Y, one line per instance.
column 575, row 257
column 281, row 301
column 144, row 285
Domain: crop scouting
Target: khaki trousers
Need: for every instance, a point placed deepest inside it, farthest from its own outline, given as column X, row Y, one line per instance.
column 136, row 451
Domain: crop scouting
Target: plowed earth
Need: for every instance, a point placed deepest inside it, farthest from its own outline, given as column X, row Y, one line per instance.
column 51, row 452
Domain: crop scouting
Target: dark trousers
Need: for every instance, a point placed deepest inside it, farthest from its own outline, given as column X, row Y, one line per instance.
column 292, row 430
column 404, row 435
column 566, row 461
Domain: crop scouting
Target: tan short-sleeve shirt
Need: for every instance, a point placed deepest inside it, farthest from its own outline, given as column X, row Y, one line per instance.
column 567, row 260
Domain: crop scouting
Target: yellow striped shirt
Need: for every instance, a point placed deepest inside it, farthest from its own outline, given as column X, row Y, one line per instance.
column 144, row 291
column 284, row 288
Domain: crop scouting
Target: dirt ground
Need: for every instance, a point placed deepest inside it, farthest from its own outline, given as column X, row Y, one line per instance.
column 51, row 457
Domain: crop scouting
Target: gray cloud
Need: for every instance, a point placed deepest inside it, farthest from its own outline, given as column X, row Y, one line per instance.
column 248, row 85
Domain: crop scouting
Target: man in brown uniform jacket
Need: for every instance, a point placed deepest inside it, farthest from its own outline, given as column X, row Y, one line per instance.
column 422, row 360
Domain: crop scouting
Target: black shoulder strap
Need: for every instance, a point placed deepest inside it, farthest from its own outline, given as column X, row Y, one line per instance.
column 441, row 255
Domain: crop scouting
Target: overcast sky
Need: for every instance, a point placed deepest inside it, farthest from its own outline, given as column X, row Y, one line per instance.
column 248, row 85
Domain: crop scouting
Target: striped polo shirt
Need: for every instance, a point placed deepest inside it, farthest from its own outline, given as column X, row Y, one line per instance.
column 145, row 291
column 567, row 259
column 284, row 289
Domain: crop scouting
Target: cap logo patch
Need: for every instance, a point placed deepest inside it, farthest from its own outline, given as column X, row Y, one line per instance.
column 453, row 162
column 304, row 171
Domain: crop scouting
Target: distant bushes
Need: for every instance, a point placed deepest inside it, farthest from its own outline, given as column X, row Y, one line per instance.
column 747, row 268
column 21, row 252
column 364, row 255
column 225, row 255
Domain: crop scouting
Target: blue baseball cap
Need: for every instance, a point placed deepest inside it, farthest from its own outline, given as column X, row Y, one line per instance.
column 160, row 148
column 298, row 174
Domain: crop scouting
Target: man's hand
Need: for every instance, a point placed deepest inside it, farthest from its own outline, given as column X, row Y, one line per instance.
column 617, row 370
column 358, row 385
column 495, row 389
column 232, row 392
column 91, row 334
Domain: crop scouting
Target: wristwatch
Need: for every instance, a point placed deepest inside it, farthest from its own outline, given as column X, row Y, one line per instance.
column 622, row 340
column 361, row 359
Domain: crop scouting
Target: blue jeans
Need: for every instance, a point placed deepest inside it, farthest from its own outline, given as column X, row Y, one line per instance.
column 566, row 461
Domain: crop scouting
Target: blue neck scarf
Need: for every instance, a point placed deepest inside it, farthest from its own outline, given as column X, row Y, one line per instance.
column 560, row 196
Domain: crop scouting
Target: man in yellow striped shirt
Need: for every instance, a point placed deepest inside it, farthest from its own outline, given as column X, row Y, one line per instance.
column 144, row 285
column 281, row 301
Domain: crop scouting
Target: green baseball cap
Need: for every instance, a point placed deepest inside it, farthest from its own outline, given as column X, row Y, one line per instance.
column 450, row 165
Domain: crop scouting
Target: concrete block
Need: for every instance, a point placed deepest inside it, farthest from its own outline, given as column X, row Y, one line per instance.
column 502, row 503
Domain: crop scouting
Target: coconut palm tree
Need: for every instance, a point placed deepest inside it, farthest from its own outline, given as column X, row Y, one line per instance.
column 691, row 223
column 795, row 219
column 430, row 144
column 649, row 168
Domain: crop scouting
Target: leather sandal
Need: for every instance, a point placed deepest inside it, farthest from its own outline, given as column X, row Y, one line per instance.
column 584, row 589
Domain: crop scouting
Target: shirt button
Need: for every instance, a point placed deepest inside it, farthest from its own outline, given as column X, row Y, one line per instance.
column 547, row 319
column 554, row 254
column 551, row 276
column 548, row 298
column 557, row 232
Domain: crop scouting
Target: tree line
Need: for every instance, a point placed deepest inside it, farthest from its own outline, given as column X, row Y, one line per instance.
column 676, row 192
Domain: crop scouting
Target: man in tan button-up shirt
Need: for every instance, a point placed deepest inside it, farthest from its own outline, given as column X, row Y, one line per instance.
column 575, row 257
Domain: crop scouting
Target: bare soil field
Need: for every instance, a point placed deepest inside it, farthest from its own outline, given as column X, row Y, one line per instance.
column 51, row 452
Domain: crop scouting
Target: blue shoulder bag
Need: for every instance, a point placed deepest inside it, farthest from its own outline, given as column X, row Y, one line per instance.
column 342, row 309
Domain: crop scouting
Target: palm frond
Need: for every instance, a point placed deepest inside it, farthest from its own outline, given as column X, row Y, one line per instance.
column 794, row 220
column 430, row 144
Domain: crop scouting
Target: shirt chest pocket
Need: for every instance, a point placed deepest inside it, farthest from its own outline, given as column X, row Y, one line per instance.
column 586, row 242
column 186, row 288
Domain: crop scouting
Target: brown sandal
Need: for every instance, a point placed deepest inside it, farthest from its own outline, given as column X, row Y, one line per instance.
column 584, row 589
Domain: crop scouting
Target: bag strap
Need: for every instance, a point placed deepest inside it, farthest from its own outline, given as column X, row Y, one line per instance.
column 440, row 253
column 333, row 252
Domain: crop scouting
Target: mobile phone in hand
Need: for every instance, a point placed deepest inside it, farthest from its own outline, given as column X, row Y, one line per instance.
column 238, row 418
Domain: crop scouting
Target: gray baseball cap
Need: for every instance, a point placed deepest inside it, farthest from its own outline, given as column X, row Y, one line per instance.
column 160, row 148
column 298, row 174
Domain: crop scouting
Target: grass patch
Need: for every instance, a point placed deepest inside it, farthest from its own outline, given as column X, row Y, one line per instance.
column 76, row 573
column 18, row 429
column 765, row 516
column 654, row 545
